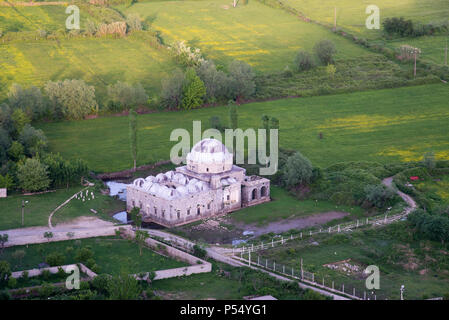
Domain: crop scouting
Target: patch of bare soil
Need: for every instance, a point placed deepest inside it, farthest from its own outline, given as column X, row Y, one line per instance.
column 294, row 223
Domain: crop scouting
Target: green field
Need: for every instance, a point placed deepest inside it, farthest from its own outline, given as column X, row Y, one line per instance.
column 40, row 206
column 435, row 188
column 112, row 255
column 385, row 125
column 266, row 38
column 419, row 265
column 284, row 206
column 99, row 62
column 351, row 14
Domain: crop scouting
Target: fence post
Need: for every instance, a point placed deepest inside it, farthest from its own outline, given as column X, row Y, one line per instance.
column 258, row 259
column 301, row 235
column 329, row 229
column 353, row 292
column 292, row 272
column 272, row 243
column 282, row 240
column 291, row 237
column 262, row 245
column 310, row 233
column 266, row 263
column 320, row 230
column 313, row 277
column 252, row 247
column 385, row 219
column 274, row 265
column 323, row 281
column 249, row 258
column 338, row 228
column 366, row 220
column 283, row 269
column 364, row 295
column 357, row 223
column 343, row 288
column 332, row 285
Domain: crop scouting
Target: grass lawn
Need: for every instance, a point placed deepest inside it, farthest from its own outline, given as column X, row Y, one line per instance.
column 111, row 254
column 265, row 37
column 285, row 206
column 384, row 125
column 98, row 61
column 420, row 265
column 351, row 14
column 39, row 207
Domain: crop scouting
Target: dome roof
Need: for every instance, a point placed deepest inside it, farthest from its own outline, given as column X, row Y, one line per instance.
column 209, row 156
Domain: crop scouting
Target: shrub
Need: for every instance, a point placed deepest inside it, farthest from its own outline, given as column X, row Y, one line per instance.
column 186, row 56
column 242, row 75
column 123, row 96
column 33, row 140
column 193, row 90
column 171, row 93
column 84, row 254
column 33, row 175
column 199, row 252
column 303, row 61
column 134, row 22
column 379, row 195
column 325, row 51
column 216, row 81
column 298, row 170
column 398, row 26
column 55, row 259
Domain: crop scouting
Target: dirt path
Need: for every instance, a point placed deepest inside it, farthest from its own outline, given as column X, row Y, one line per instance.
column 82, row 227
column 50, row 225
column 294, row 223
column 409, row 200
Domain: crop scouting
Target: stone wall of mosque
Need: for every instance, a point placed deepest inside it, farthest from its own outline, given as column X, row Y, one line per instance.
column 192, row 207
column 255, row 190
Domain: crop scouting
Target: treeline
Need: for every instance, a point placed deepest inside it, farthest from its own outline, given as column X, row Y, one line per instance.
column 431, row 225
column 407, row 28
column 25, row 163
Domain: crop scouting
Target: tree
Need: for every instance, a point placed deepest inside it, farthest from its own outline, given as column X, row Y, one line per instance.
column 5, row 273
column 124, row 96
column 6, row 181
column 242, row 75
column 171, row 93
column 34, row 140
column 303, row 61
column 33, row 175
column 71, row 99
column 123, row 287
column 3, row 239
column 48, row 235
column 29, row 100
column 298, row 170
column 136, row 217
column 378, row 195
column 325, row 51
column 134, row 22
column 140, row 237
column 193, row 90
column 16, row 151
column 133, row 136
column 20, row 120
column 216, row 81
column 233, row 115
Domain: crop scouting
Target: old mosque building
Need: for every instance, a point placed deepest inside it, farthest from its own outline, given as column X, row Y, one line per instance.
column 209, row 185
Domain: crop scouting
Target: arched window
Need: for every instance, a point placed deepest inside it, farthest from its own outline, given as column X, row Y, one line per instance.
column 198, row 211
column 263, row 191
column 254, row 194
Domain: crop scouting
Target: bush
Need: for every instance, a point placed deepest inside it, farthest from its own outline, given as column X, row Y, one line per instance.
column 84, row 254
column 124, row 96
column 55, row 259
column 398, row 26
column 171, row 93
column 303, row 61
column 298, row 170
column 199, row 252
column 243, row 84
column 325, row 51
column 379, row 195
column 193, row 90
column 33, row 176
column 216, row 81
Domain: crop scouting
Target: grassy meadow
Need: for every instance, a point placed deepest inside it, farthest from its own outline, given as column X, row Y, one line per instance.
column 351, row 14
column 384, row 125
column 111, row 254
column 284, row 206
column 419, row 265
column 264, row 37
column 40, row 206
column 98, row 61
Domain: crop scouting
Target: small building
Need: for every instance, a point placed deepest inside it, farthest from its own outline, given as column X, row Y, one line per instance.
column 208, row 185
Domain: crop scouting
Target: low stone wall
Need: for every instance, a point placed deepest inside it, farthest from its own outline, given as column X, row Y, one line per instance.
column 197, row 265
column 53, row 270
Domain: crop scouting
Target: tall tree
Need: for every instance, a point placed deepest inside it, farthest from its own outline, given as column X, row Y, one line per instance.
column 133, row 135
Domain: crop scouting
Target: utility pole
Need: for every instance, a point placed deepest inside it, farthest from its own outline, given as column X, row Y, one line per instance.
column 23, row 211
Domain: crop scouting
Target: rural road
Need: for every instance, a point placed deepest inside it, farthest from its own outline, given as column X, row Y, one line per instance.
column 409, row 200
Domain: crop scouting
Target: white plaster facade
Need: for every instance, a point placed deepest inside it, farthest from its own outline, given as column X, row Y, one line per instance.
column 208, row 185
